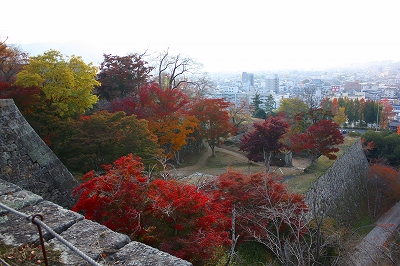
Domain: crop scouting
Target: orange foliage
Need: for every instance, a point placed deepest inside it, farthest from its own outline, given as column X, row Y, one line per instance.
column 172, row 131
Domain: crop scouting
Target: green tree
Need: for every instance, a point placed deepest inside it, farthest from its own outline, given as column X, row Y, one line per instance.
column 386, row 146
column 370, row 112
column 66, row 84
column 342, row 101
column 102, row 138
column 357, row 110
column 269, row 105
column 350, row 111
column 256, row 103
column 291, row 106
column 260, row 113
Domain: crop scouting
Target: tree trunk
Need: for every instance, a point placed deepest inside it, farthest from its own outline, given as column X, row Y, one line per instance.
column 212, row 150
column 177, row 157
column 267, row 161
column 234, row 238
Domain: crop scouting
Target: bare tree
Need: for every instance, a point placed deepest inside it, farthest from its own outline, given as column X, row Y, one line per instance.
column 311, row 98
column 234, row 237
column 173, row 71
column 198, row 87
column 12, row 60
column 240, row 112
column 296, row 235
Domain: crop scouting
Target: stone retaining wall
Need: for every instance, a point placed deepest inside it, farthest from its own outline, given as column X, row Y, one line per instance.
column 95, row 240
column 25, row 160
column 339, row 192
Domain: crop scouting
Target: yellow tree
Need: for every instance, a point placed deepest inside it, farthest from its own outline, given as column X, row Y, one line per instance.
column 291, row 106
column 340, row 116
column 66, row 84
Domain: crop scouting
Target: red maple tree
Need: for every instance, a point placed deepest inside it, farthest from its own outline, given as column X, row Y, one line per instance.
column 215, row 124
column 164, row 110
column 387, row 113
column 121, row 75
column 264, row 140
column 319, row 139
column 116, row 198
column 189, row 223
column 175, row 217
column 267, row 211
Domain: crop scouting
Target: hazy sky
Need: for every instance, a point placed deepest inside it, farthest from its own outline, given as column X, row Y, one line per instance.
column 223, row 35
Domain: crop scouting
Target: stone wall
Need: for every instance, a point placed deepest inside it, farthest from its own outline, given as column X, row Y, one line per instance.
column 25, row 160
column 339, row 192
column 34, row 181
column 95, row 240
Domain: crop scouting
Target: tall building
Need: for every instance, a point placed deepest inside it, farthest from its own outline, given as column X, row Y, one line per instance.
column 247, row 80
column 272, row 85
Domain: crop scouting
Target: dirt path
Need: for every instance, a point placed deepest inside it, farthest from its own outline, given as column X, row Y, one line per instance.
column 372, row 245
column 188, row 170
column 298, row 164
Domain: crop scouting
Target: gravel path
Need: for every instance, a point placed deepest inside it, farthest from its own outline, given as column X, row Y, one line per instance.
column 372, row 245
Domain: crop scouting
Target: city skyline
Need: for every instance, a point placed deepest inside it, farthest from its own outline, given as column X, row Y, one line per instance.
column 224, row 36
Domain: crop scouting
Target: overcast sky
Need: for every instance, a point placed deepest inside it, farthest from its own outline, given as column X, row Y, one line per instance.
column 223, row 35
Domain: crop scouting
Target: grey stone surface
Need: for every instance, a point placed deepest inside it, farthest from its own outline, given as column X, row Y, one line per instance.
column 15, row 230
column 139, row 254
column 339, row 190
column 91, row 238
column 7, row 187
column 19, row 200
column 26, row 161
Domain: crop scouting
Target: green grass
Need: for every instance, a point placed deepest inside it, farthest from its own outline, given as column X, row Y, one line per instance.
column 363, row 226
column 223, row 160
column 191, row 158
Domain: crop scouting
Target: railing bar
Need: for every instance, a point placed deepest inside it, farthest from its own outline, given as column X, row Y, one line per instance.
column 60, row 238
column 4, row 263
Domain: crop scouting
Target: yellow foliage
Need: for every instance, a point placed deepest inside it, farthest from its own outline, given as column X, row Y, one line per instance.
column 340, row 116
column 67, row 84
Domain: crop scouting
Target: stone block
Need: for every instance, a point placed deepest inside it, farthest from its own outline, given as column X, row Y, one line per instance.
column 15, row 230
column 7, row 187
column 136, row 253
column 19, row 200
column 91, row 238
column 23, row 155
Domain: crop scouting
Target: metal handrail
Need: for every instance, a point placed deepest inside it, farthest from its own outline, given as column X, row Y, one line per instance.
column 39, row 224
